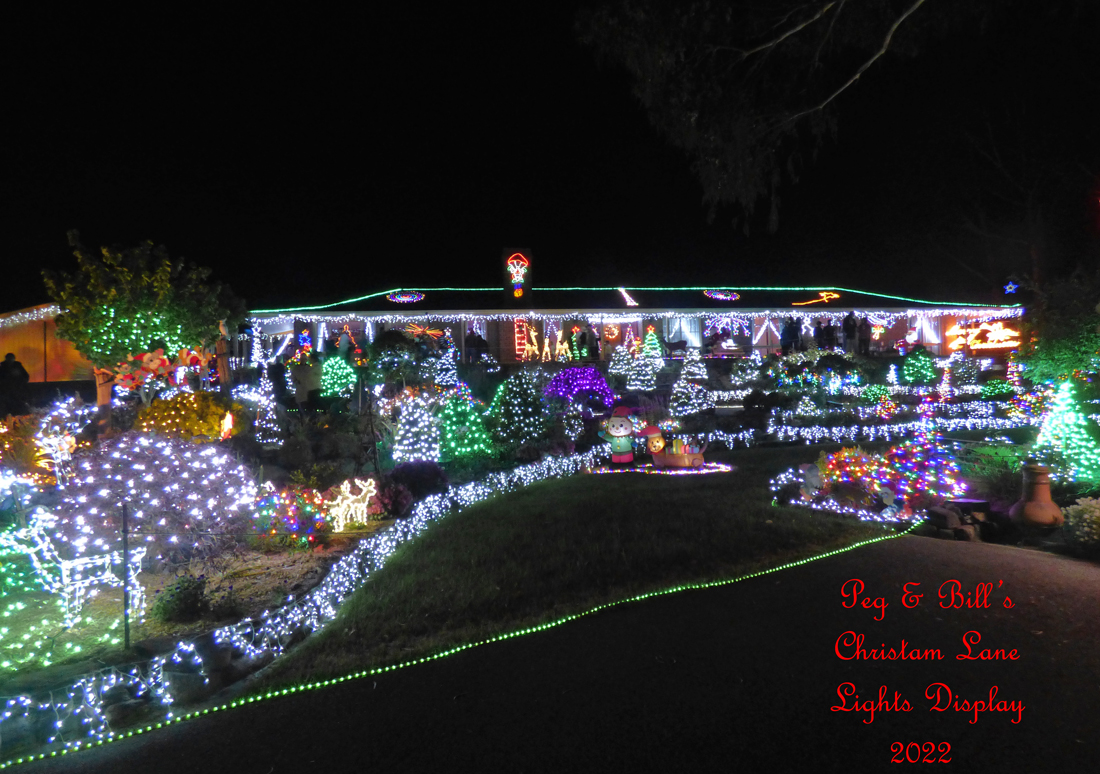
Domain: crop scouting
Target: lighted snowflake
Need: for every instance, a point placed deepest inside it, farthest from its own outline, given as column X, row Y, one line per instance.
column 722, row 295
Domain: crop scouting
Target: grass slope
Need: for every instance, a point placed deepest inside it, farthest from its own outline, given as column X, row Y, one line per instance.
column 562, row 547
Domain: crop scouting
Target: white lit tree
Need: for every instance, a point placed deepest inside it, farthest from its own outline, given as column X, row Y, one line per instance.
column 620, row 361
column 417, row 436
column 642, row 375
column 267, row 423
column 689, row 395
column 446, row 373
column 519, row 412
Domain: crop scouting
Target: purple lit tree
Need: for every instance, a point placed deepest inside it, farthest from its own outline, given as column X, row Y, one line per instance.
column 584, row 384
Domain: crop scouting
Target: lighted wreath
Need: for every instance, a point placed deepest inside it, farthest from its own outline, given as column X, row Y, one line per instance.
column 721, row 295
column 405, row 297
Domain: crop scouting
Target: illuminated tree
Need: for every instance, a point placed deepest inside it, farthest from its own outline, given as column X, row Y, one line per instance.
column 417, row 435
column 267, row 423
column 651, row 348
column 463, row 429
column 518, row 411
column 926, row 468
column 642, row 376
column 337, row 377
column 446, row 373
column 689, row 396
column 124, row 302
column 919, row 367
column 1064, row 440
column 620, row 361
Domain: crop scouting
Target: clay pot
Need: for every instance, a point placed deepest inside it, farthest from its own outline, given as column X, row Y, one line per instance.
column 1035, row 508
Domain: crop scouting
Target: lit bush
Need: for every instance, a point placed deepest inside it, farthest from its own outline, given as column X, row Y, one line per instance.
column 997, row 389
column 190, row 415
column 185, row 500
column 1082, row 525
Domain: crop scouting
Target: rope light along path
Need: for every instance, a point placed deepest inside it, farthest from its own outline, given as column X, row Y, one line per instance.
column 79, row 746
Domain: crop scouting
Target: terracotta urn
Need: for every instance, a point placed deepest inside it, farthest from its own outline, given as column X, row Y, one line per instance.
column 1035, row 508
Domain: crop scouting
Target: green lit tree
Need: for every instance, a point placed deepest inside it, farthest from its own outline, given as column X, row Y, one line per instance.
column 651, row 348
column 919, row 367
column 126, row 301
column 337, row 377
column 1065, row 442
column 462, row 428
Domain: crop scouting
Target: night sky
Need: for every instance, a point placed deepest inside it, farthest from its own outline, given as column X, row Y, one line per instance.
column 308, row 158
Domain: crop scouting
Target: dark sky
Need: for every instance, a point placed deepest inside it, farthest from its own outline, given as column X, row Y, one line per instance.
column 309, row 157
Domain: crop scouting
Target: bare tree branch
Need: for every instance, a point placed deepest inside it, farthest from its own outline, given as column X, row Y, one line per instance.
column 747, row 52
column 863, row 68
column 828, row 32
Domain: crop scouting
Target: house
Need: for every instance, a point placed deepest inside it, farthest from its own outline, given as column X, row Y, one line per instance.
column 726, row 321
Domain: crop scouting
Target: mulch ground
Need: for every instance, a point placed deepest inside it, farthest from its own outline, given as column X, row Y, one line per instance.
column 740, row 677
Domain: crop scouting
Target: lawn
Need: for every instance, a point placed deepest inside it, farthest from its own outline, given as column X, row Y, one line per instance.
column 562, row 547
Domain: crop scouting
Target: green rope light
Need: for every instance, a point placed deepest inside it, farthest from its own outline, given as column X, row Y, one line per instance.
column 78, row 746
column 692, row 287
column 353, row 300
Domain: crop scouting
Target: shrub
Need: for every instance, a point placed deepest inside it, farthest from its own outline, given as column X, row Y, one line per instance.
column 1082, row 526
column 190, row 415
column 182, row 600
column 228, row 605
column 421, row 478
column 395, row 498
column 874, row 393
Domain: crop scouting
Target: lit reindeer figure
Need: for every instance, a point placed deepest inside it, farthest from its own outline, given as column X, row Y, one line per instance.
column 73, row 579
column 531, row 348
column 347, row 508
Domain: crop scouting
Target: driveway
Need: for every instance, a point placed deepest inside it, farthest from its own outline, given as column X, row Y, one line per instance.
column 740, row 677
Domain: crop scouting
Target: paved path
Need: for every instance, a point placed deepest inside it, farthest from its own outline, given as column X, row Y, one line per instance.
column 735, row 678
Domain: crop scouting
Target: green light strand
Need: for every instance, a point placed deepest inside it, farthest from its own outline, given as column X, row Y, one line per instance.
column 701, row 287
column 78, row 746
column 360, row 298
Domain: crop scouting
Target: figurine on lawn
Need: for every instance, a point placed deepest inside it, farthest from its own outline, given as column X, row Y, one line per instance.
column 618, row 432
column 655, row 441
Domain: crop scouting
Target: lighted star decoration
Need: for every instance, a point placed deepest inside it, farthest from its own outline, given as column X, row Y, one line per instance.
column 420, row 330
column 1011, row 287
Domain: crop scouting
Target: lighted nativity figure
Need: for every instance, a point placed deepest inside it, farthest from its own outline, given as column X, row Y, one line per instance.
column 619, row 432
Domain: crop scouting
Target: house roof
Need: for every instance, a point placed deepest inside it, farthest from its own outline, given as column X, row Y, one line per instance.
column 716, row 300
